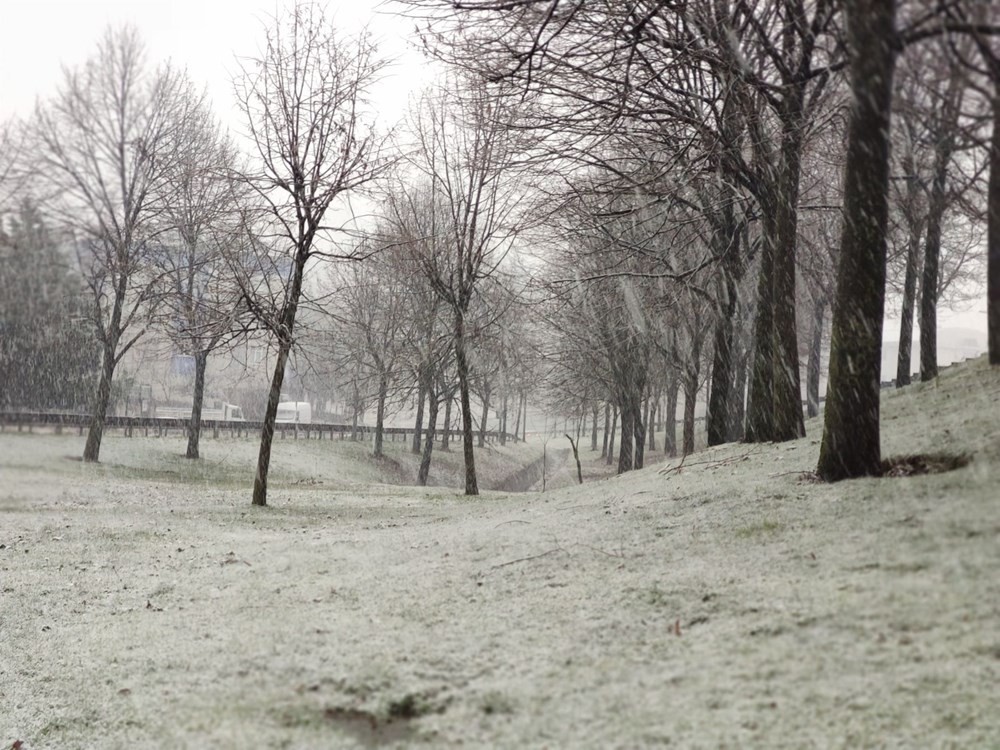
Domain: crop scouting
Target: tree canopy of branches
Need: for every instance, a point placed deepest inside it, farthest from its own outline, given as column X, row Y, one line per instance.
column 101, row 149
column 304, row 102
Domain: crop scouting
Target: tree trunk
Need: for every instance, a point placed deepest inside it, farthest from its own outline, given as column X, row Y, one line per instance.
column 198, row 399
column 639, row 432
column 787, row 400
column 95, row 432
column 850, row 446
column 517, row 419
column 419, row 423
column 931, row 272
column 576, row 457
column 670, row 417
column 813, row 369
column 607, row 429
column 760, row 400
column 611, row 439
column 267, row 431
column 524, row 424
column 690, row 395
column 286, row 325
column 993, row 230
column 446, row 437
column 595, row 409
column 737, row 417
column 383, row 392
column 462, row 364
column 425, row 459
column 486, row 417
column 625, row 460
column 904, row 361
column 654, row 407
column 947, row 124
column 503, row 420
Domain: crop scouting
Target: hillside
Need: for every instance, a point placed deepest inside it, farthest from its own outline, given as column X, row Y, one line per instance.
column 729, row 601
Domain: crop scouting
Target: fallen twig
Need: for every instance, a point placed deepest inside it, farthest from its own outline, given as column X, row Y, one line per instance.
column 528, row 558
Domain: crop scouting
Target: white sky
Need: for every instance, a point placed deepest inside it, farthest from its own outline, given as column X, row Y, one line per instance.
column 38, row 37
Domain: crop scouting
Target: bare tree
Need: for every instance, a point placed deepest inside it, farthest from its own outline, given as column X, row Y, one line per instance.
column 201, row 299
column 303, row 99
column 104, row 144
column 468, row 154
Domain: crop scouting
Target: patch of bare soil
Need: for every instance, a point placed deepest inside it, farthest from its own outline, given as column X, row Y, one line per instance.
column 923, row 463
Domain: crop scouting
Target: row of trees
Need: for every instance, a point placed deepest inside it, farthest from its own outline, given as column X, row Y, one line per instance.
column 173, row 229
column 623, row 202
column 709, row 154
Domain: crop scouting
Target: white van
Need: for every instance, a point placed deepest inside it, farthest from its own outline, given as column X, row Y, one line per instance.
column 294, row 412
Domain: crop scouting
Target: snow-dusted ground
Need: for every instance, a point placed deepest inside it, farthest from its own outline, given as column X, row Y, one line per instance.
column 728, row 603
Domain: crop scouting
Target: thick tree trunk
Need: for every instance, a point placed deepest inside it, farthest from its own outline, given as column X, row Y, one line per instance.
column 198, row 399
column 813, row 369
column 639, row 431
column 993, row 231
column 760, row 400
column 625, row 455
column 670, row 416
column 787, row 401
column 610, row 457
column 95, row 432
column 850, row 446
column 737, row 417
column 947, row 123
column 607, row 429
column 383, row 392
column 462, row 364
column 690, row 401
column 425, row 460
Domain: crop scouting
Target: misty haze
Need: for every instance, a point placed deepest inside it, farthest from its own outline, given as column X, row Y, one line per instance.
column 415, row 373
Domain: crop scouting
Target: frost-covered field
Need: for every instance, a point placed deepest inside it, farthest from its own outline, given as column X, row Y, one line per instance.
column 727, row 603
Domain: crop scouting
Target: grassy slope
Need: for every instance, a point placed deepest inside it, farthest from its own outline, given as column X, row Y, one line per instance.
column 725, row 603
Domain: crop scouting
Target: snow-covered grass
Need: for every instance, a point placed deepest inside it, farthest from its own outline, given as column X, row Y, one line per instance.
column 729, row 602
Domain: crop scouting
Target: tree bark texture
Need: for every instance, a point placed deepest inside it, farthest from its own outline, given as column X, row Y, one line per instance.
column 611, row 438
column 993, row 231
column 419, row 422
column 850, row 446
column 425, row 459
column 462, row 364
column 670, row 416
column 383, row 392
column 813, row 369
column 197, row 402
column 760, row 400
column 904, row 360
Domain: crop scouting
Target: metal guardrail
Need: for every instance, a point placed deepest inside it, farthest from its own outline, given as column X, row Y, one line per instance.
column 162, row 426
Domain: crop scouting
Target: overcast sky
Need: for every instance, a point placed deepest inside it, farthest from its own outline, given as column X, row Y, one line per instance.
column 38, row 37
